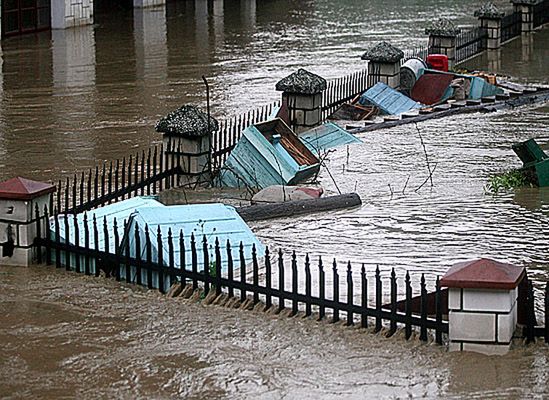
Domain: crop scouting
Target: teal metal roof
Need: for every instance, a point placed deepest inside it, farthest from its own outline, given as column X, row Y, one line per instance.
column 388, row 100
column 326, row 137
column 120, row 211
column 213, row 221
column 256, row 162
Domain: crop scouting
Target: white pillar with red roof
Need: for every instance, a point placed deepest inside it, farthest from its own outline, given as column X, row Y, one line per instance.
column 482, row 304
column 18, row 200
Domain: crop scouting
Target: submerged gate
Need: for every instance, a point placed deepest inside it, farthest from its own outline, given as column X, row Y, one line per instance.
column 25, row 16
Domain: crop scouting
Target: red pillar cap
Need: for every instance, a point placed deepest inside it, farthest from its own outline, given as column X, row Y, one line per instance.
column 24, row 189
column 483, row 274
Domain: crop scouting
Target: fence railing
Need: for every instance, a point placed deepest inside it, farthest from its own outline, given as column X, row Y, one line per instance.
column 470, row 43
column 136, row 257
column 342, row 90
column 144, row 173
column 230, row 131
column 541, row 13
column 511, row 26
column 533, row 329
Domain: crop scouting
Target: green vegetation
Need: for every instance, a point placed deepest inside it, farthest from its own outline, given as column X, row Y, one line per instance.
column 506, row 181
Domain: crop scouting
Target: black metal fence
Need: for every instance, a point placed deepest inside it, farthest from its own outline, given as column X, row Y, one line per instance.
column 93, row 246
column 470, row 43
column 144, row 173
column 533, row 329
column 511, row 26
column 342, row 90
column 541, row 13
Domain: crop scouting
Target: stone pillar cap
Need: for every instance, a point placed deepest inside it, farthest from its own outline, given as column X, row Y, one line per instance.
column 525, row 2
column 442, row 27
column 302, row 82
column 383, row 52
column 490, row 11
column 483, row 274
column 24, row 189
column 187, row 121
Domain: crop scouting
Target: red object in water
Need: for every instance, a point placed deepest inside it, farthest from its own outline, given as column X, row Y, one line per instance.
column 430, row 88
column 438, row 62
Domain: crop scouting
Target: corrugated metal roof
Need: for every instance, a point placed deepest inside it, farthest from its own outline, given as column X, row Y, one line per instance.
column 325, row 137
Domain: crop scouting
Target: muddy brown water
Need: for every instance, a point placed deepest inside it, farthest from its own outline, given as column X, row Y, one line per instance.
column 71, row 99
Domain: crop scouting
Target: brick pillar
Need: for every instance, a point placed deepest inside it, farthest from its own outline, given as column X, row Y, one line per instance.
column 490, row 19
column 302, row 96
column 526, row 9
column 68, row 13
column 187, row 142
column 18, row 200
column 384, row 64
column 482, row 304
column 442, row 39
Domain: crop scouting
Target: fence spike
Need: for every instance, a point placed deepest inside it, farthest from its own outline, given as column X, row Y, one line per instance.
column 294, row 284
column 281, row 280
column 335, row 292
column 308, row 289
column 230, row 267
column 364, row 298
column 182, row 259
column 379, row 289
column 321, row 289
column 408, row 307
column 255, row 277
column 349, row 294
column 160, row 259
column 423, row 310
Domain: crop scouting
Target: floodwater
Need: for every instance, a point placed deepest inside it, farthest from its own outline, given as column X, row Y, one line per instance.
column 70, row 99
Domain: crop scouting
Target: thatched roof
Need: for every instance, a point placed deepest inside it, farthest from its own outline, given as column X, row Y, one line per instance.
column 187, row 121
column 383, row 52
column 302, row 82
column 489, row 10
column 442, row 27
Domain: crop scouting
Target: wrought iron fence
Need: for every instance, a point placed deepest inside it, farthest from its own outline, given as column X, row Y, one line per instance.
column 155, row 263
column 511, row 26
column 470, row 43
column 144, row 173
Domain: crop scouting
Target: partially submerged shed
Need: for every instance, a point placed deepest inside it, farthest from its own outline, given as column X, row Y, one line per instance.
column 268, row 154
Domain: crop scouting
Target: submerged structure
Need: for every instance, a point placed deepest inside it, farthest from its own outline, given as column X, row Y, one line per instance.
column 268, row 154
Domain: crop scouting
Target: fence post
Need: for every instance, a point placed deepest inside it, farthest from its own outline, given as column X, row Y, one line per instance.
column 384, row 64
column 268, row 283
column 96, row 245
column 308, row 292
column 117, row 252
column 242, row 272
column 67, row 243
column 206, row 256
column 77, row 256
column 255, row 276
column 171, row 259
column 526, row 10
column 294, row 283
column 423, row 310
column 408, row 307
column 321, row 289
column 194, row 261
column 218, row 267
column 442, row 39
column 490, row 19
column 482, row 304
column 438, row 313
column 230, row 267
column 349, row 294
column 160, row 260
column 86, row 245
column 38, row 239
column 364, row 298
column 138, row 256
column 546, row 308
column 280, row 281
column 182, row 258
column 393, row 326
column 530, row 327
column 379, row 289
column 335, row 292
column 57, row 241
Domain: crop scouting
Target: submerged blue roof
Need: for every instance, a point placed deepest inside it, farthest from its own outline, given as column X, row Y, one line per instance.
column 326, row 137
column 212, row 221
column 121, row 211
column 387, row 99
